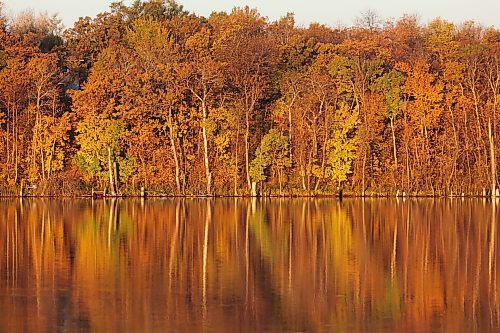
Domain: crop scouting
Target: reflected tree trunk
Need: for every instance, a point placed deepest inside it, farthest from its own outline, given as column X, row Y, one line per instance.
column 491, row 253
column 208, row 220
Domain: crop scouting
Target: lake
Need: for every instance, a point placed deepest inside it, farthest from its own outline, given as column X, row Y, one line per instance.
column 229, row 265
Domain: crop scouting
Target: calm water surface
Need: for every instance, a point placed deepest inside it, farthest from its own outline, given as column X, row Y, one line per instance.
column 293, row 265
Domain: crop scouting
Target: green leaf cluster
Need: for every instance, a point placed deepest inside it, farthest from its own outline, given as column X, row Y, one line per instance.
column 341, row 145
column 96, row 135
column 272, row 152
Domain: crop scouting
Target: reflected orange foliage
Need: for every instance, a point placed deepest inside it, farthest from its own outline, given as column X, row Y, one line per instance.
column 249, row 265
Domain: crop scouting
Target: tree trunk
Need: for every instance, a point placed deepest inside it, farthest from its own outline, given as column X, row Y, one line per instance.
column 457, row 146
column 303, row 174
column 174, row 152
column 280, row 181
column 36, row 136
column 254, row 189
column 247, row 147
column 323, row 150
column 290, row 127
column 363, row 175
column 117, row 183
column 110, row 169
column 208, row 175
column 16, row 146
column 394, row 148
column 492, row 160
column 183, row 166
column 236, row 161
column 50, row 158
column 42, row 159
column 21, row 190
column 483, row 151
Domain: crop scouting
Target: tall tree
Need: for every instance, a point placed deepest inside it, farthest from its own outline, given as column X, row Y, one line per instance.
column 250, row 54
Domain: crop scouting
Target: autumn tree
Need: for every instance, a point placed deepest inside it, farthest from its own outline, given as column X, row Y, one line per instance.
column 422, row 112
column 341, row 144
column 204, row 81
column 100, row 127
column 273, row 152
column 250, row 54
column 390, row 85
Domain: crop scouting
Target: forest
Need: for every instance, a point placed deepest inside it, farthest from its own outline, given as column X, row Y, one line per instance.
column 151, row 96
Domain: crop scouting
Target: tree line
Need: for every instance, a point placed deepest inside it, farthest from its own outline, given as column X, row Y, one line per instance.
column 150, row 95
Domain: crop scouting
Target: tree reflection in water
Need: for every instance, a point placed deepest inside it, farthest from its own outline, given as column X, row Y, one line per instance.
column 248, row 265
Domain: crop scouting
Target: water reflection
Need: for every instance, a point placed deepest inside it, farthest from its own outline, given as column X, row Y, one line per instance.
column 248, row 265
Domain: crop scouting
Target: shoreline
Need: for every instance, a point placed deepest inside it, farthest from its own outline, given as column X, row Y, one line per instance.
column 245, row 196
